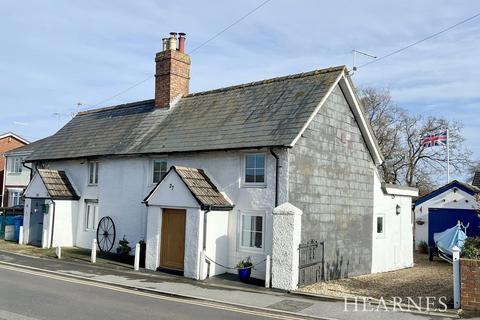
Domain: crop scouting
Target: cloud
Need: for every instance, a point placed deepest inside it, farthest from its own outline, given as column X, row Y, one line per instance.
column 61, row 53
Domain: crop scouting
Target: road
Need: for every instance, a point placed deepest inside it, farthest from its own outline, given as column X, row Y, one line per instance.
column 31, row 295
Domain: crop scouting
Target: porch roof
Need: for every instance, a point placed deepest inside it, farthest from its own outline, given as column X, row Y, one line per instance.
column 201, row 187
column 58, row 185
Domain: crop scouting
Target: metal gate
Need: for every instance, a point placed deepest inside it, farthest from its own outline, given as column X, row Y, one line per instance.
column 311, row 256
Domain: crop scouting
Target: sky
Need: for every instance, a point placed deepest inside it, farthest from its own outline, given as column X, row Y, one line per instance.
column 55, row 54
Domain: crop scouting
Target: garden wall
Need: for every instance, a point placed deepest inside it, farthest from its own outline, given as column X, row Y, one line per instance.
column 470, row 275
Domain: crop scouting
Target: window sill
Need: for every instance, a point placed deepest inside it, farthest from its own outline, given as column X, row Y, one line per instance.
column 254, row 185
column 251, row 250
column 92, row 185
column 14, row 173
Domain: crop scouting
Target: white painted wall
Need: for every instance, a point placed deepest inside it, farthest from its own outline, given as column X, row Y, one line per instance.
column 16, row 179
column 124, row 182
column 394, row 249
column 447, row 200
column 65, row 223
column 217, row 242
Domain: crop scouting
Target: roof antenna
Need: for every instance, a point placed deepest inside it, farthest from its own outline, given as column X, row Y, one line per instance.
column 354, row 53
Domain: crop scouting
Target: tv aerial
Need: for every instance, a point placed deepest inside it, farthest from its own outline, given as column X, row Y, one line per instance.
column 354, row 54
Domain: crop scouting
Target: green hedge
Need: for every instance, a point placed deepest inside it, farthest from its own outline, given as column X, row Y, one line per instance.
column 471, row 248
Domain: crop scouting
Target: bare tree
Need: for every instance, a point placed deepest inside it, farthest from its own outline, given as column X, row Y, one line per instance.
column 399, row 135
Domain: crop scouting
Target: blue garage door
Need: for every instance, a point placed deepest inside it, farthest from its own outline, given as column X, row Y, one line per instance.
column 441, row 219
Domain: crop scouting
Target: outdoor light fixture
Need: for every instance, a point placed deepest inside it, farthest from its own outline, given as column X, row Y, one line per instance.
column 398, row 209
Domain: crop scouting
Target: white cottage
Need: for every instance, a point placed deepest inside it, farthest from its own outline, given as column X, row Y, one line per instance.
column 198, row 175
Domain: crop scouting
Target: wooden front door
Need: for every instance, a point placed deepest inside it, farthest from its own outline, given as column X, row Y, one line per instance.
column 173, row 239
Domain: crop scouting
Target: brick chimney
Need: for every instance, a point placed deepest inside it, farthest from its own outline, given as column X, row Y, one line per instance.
column 172, row 75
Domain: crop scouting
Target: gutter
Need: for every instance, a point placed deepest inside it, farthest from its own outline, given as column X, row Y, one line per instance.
column 277, row 167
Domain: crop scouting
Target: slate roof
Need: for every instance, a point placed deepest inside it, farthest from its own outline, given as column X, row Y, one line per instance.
column 201, row 187
column 468, row 188
column 259, row 114
column 58, row 185
column 476, row 179
column 26, row 149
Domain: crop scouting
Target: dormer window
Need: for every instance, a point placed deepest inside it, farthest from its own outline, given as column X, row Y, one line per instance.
column 93, row 173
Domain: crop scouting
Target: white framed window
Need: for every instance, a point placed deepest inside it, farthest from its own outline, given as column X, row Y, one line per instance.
column 91, row 215
column 93, row 173
column 254, row 172
column 159, row 170
column 380, row 226
column 252, row 231
column 15, row 165
column 14, row 197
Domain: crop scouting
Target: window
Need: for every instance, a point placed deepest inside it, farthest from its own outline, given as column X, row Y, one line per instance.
column 380, row 225
column 252, row 231
column 254, row 168
column 91, row 215
column 159, row 170
column 15, row 165
column 14, row 198
column 93, row 172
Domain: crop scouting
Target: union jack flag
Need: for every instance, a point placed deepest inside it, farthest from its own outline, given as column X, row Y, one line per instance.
column 435, row 139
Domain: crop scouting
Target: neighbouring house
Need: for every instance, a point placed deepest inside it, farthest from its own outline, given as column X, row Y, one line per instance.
column 12, row 173
column 443, row 208
column 199, row 175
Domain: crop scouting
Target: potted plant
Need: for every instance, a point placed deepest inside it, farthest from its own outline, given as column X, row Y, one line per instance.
column 123, row 249
column 423, row 247
column 245, row 269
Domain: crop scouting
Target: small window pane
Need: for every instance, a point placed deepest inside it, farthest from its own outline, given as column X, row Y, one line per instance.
column 159, row 170
column 258, row 240
column 96, row 172
column 260, row 175
column 250, row 175
column 250, row 161
column 260, row 161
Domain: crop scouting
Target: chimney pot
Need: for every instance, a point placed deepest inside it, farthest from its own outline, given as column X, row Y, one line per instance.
column 181, row 42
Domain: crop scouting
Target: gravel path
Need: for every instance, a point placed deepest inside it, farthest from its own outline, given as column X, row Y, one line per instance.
column 424, row 279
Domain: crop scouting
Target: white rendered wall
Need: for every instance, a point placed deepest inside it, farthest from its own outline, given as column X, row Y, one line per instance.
column 217, row 241
column 449, row 199
column 64, row 228
column 14, row 178
column 125, row 182
column 394, row 249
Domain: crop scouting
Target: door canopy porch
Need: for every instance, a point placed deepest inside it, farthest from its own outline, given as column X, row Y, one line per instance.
column 190, row 187
column 51, row 184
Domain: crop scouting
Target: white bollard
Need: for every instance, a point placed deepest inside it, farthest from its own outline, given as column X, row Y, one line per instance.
column 456, row 277
column 58, row 252
column 45, row 239
column 267, row 272
column 93, row 257
column 136, row 264
column 20, row 235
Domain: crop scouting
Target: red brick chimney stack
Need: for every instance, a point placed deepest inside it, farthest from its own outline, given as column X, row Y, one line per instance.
column 172, row 75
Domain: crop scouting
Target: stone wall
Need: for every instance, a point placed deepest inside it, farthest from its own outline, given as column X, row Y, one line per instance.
column 331, row 178
column 470, row 275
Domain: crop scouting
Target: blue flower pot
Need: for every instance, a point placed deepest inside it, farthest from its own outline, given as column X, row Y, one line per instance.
column 244, row 274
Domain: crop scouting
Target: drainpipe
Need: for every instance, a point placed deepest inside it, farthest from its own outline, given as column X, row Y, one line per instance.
column 277, row 167
column 204, row 248
column 53, row 223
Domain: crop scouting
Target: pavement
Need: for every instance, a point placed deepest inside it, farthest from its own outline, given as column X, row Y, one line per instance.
column 224, row 295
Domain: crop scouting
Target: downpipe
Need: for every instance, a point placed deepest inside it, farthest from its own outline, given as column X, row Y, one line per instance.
column 277, row 168
column 204, row 247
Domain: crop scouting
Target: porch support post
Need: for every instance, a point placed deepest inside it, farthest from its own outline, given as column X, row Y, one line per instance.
column 287, row 226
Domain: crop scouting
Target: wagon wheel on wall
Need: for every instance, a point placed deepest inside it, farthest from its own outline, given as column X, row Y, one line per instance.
column 105, row 234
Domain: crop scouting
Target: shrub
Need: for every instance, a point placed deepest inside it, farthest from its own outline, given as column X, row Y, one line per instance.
column 471, row 248
column 423, row 247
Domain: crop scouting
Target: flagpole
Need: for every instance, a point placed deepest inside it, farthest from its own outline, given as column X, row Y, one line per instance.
column 448, row 157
